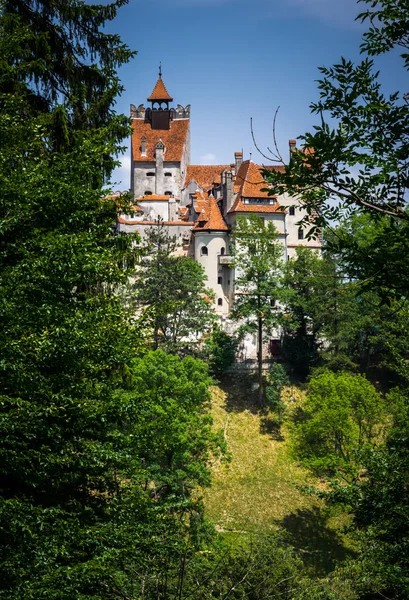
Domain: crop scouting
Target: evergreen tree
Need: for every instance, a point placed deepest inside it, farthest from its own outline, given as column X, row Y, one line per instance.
column 177, row 308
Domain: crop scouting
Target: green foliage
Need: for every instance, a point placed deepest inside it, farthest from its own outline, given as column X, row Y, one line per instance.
column 171, row 289
column 277, row 380
column 360, row 150
column 258, row 258
column 342, row 414
column 221, row 351
column 306, row 292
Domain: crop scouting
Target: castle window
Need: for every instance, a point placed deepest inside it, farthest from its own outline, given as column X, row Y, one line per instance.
column 148, row 193
column 292, row 211
column 220, row 280
column 256, row 201
column 168, row 174
column 204, row 251
column 300, row 234
column 168, row 193
column 150, row 174
column 220, row 302
column 222, row 251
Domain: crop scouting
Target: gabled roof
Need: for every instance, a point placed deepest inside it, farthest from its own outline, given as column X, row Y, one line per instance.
column 204, row 175
column 249, row 184
column 160, row 92
column 173, row 138
column 210, row 218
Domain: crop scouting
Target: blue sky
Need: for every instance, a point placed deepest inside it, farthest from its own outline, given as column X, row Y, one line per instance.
column 237, row 59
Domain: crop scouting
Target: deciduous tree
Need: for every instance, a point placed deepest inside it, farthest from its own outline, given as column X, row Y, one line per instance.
column 258, row 261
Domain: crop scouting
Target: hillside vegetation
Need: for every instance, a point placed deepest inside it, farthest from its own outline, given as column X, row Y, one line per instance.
column 260, row 490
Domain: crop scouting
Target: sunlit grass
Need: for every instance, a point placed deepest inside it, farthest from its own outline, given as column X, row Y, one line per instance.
column 259, row 491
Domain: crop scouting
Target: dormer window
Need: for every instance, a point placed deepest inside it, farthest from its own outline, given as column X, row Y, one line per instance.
column 258, row 201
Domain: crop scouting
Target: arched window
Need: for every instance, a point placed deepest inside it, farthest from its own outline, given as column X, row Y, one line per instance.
column 292, row 210
column 148, row 193
column 168, row 174
column 220, row 280
column 150, row 174
column 222, row 251
column 220, row 302
column 204, row 251
column 168, row 193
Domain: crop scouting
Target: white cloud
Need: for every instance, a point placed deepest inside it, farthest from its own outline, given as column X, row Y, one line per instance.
column 208, row 159
column 122, row 175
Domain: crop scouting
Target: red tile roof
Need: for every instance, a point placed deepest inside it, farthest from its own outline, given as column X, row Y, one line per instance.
column 174, row 140
column 249, row 184
column 199, row 200
column 250, row 181
column 150, row 197
column 160, row 92
column 210, row 218
column 204, row 175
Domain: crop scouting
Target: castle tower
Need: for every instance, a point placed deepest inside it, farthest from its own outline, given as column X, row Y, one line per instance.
column 160, row 148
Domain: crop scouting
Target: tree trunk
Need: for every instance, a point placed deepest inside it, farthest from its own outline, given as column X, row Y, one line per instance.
column 260, row 361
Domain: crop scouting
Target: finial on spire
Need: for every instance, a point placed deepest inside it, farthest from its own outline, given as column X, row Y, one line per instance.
column 160, row 70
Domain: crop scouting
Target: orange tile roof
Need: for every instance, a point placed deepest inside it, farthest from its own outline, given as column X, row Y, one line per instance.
column 210, row 218
column 150, row 197
column 199, row 200
column 204, row 175
column 249, row 184
column 251, row 181
column 160, row 92
column 174, row 140
column 184, row 213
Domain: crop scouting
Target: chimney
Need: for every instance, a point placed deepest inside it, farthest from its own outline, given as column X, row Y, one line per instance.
column 228, row 190
column 292, row 144
column 172, row 209
column 143, row 146
column 238, row 159
column 159, row 150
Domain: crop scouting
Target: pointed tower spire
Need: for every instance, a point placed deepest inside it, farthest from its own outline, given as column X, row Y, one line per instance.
column 160, row 93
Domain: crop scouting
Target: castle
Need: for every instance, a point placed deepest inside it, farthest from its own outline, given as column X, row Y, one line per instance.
column 199, row 203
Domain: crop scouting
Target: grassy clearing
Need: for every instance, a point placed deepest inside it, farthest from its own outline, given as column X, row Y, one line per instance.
column 259, row 490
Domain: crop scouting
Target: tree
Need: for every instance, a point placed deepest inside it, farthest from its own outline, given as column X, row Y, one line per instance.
column 305, row 293
column 341, row 415
column 359, row 155
column 258, row 262
column 277, row 380
column 221, row 350
column 171, row 289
